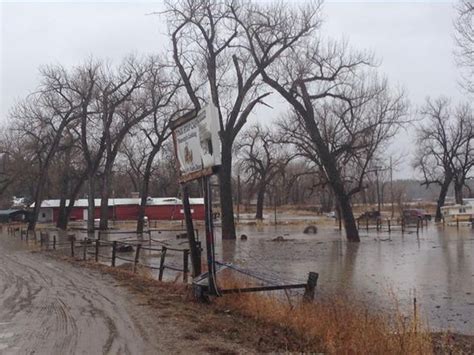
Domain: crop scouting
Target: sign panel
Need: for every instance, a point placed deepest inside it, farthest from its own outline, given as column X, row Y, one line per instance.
column 197, row 144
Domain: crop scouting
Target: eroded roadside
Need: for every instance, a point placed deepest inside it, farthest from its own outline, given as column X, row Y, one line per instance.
column 53, row 307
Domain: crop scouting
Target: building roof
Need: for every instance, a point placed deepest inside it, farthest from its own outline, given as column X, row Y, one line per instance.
column 151, row 201
column 11, row 211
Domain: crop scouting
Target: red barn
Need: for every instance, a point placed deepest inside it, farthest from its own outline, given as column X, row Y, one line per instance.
column 123, row 209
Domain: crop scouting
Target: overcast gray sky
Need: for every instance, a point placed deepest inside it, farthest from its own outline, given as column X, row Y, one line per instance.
column 413, row 40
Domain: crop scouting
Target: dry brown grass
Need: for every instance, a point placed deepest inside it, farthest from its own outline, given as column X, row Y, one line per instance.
column 336, row 325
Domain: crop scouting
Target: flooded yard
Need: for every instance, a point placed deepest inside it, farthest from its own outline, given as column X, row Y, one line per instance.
column 437, row 266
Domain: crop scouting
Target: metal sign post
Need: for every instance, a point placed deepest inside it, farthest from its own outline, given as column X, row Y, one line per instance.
column 210, row 251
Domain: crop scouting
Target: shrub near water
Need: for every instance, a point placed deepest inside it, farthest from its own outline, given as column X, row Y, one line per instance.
column 336, row 325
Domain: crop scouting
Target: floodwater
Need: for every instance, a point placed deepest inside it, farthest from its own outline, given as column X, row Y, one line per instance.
column 436, row 267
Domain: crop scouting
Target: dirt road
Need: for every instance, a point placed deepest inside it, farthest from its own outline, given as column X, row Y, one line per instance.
column 53, row 307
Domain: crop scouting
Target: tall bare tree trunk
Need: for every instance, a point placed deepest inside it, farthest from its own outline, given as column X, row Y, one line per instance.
column 91, row 203
column 145, row 187
column 104, row 197
column 62, row 215
column 72, row 200
column 442, row 197
column 260, row 200
column 458, row 186
column 38, row 200
column 335, row 181
column 225, row 185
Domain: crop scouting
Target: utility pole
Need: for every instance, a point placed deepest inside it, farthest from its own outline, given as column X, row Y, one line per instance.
column 391, row 187
column 378, row 187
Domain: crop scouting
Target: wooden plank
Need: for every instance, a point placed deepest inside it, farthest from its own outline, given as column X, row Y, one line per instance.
column 261, row 288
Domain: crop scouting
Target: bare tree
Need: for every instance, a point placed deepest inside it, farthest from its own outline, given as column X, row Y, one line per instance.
column 42, row 118
column 445, row 149
column 210, row 50
column 261, row 158
column 464, row 36
column 150, row 90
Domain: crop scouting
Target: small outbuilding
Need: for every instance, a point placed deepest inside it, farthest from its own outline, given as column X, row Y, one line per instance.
column 12, row 215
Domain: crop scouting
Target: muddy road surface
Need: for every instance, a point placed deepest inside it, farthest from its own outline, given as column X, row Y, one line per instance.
column 53, row 307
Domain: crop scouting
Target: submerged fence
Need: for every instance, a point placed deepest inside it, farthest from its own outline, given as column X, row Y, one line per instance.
column 392, row 225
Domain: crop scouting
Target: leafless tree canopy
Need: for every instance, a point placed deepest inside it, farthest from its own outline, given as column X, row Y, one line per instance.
column 445, row 152
column 464, row 35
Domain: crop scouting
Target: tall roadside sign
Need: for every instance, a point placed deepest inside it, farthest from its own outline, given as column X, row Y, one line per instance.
column 198, row 153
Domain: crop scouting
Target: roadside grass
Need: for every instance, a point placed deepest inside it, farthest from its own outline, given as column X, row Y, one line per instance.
column 336, row 325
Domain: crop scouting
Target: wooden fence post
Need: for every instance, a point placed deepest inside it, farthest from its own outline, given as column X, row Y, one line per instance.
column 185, row 264
column 54, row 242
column 137, row 255
column 114, row 252
column 162, row 262
column 310, row 287
column 84, row 248
column 72, row 246
column 389, row 227
column 97, row 245
column 367, row 224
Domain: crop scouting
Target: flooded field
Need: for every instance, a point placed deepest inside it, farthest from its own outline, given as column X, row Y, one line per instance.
column 436, row 266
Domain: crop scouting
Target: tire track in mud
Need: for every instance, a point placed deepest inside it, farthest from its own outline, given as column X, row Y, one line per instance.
column 49, row 307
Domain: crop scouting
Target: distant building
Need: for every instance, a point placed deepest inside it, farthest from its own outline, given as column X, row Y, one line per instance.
column 13, row 215
column 123, row 209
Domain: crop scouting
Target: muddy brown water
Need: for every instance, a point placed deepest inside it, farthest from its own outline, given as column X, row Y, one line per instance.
column 436, row 267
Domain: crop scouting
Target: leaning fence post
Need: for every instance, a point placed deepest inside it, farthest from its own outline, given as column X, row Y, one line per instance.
column 114, row 251
column 185, row 264
column 97, row 245
column 72, row 246
column 162, row 262
column 84, row 249
column 310, row 287
column 137, row 255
